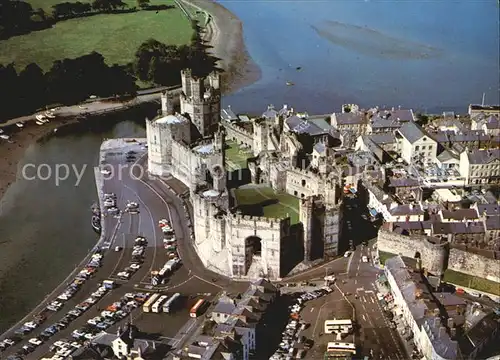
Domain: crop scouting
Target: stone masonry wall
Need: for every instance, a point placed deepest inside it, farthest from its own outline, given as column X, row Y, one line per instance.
column 433, row 255
column 472, row 264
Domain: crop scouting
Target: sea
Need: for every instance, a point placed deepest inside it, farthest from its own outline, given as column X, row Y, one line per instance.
column 431, row 56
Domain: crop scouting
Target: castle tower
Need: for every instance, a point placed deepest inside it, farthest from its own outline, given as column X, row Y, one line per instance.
column 200, row 102
column 306, row 208
column 167, row 103
column 331, row 231
column 260, row 136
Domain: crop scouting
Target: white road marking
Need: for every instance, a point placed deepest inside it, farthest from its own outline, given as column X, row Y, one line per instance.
column 312, row 309
column 364, row 318
column 363, row 299
column 373, row 301
column 356, row 281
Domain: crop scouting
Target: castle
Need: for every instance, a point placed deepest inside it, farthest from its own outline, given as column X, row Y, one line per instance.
column 189, row 145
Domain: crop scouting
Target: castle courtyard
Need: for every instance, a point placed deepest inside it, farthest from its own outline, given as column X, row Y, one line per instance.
column 236, row 156
column 264, row 201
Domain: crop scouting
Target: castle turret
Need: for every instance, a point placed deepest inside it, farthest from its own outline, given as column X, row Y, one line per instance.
column 167, row 103
column 200, row 102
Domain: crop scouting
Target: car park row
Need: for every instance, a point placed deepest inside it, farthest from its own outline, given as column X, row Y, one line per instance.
column 56, row 305
column 292, row 334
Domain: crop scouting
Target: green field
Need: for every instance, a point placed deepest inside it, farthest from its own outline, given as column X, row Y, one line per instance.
column 236, row 157
column 472, row 282
column 263, row 199
column 115, row 36
column 383, row 256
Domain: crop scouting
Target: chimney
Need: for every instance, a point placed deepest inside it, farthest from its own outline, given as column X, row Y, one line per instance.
column 442, row 332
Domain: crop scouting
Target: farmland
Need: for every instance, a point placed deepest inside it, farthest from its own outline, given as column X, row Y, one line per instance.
column 115, row 36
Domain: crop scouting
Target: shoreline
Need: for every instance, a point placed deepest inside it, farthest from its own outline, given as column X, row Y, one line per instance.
column 226, row 39
column 225, row 36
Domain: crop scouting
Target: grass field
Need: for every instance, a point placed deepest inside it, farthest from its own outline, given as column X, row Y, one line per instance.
column 472, row 282
column 383, row 256
column 115, row 36
column 236, row 157
column 270, row 203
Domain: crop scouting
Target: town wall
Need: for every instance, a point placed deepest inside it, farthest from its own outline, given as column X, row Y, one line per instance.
column 434, row 256
column 238, row 134
column 474, row 264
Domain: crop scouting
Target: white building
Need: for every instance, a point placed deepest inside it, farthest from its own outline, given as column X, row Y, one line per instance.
column 416, row 144
column 480, row 166
column 429, row 335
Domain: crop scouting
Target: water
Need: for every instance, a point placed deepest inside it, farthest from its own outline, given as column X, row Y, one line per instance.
column 45, row 229
column 422, row 54
column 428, row 55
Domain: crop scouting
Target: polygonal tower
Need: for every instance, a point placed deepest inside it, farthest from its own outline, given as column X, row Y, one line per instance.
column 200, row 99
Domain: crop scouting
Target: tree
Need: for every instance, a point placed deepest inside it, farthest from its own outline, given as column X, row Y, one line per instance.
column 143, row 3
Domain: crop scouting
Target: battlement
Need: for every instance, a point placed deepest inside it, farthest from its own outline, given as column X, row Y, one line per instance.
column 213, row 98
column 238, row 128
column 302, row 172
column 260, row 221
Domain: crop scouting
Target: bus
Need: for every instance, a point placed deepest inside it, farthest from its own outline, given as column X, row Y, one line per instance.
column 338, row 326
column 339, row 348
column 168, row 306
column 147, row 305
column 196, row 309
column 156, row 308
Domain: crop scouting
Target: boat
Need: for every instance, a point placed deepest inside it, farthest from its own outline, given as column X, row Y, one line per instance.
column 38, row 122
column 20, row 124
column 289, row 83
column 40, row 117
column 96, row 210
column 1, row 131
column 5, row 137
column 50, row 115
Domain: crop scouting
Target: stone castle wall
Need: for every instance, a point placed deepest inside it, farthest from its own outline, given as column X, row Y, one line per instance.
column 238, row 134
column 473, row 264
column 434, row 256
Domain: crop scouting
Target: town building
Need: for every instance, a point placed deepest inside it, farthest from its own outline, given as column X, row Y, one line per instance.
column 480, row 166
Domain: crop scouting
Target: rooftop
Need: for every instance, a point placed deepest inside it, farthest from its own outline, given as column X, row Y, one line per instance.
column 204, row 149
column 228, row 114
column 460, row 214
column 483, row 156
column 312, row 127
column 350, row 118
column 458, row 228
column 169, row 119
column 411, row 132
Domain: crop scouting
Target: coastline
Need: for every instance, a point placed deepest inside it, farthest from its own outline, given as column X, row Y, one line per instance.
column 226, row 38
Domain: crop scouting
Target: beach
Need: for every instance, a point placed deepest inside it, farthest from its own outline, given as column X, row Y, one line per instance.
column 225, row 36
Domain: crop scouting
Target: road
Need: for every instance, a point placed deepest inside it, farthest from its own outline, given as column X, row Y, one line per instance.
column 155, row 202
column 96, row 106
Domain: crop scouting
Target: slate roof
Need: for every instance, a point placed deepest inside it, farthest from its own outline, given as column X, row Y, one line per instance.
column 407, row 209
column 383, row 138
column 270, row 113
column 349, row 118
column 489, row 209
column 305, row 126
column 460, row 214
column 411, row 132
column 439, row 228
column 481, row 157
column 447, row 155
column 492, row 223
column 228, row 114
